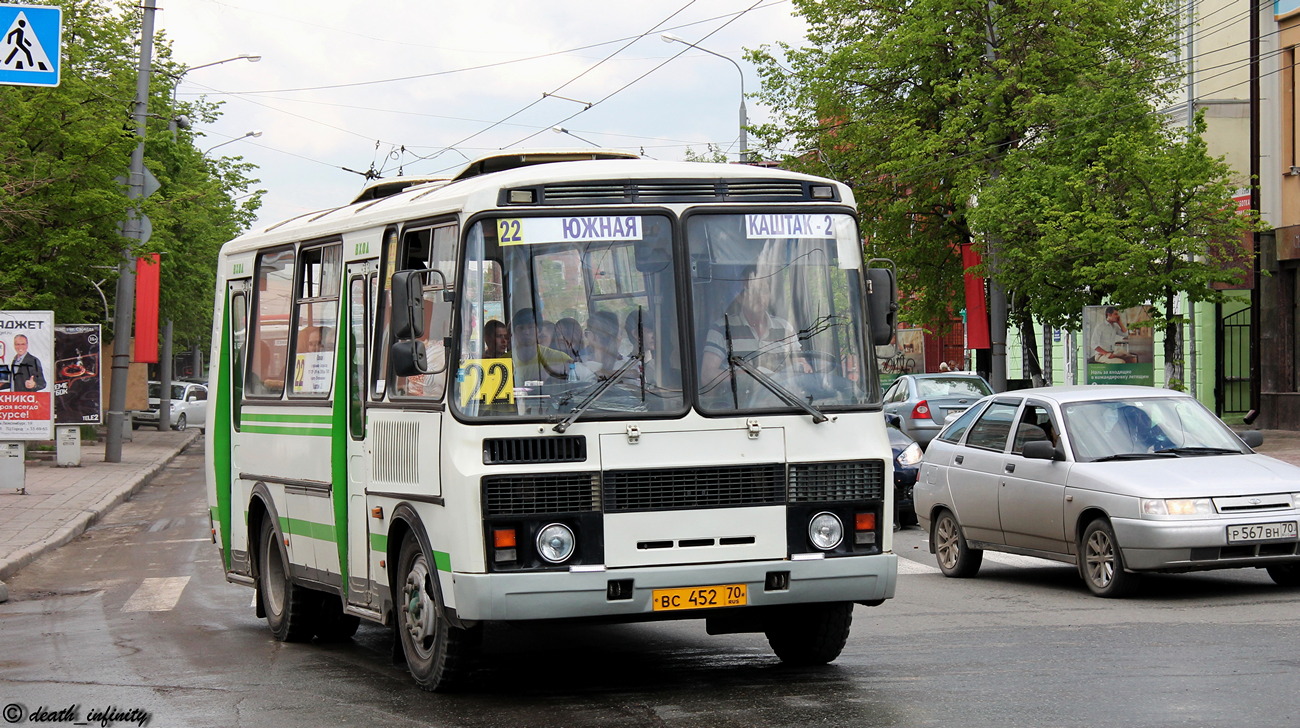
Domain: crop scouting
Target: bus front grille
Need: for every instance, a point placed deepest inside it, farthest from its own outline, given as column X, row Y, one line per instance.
column 840, row 481
column 681, row 488
column 537, row 493
column 521, row 450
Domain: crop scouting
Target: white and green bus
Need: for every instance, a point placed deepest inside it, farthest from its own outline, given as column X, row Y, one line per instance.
column 556, row 386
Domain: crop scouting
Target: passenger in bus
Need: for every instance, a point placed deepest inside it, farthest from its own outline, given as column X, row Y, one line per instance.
column 496, row 340
column 568, row 337
column 533, row 361
column 749, row 331
column 545, row 333
column 600, row 357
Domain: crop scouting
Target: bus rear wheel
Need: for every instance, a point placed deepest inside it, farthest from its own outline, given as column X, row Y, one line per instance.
column 809, row 634
column 291, row 610
column 437, row 653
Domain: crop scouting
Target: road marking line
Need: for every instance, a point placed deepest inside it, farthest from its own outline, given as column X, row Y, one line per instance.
column 157, row 594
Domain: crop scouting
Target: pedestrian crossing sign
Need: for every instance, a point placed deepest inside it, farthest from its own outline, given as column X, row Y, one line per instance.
column 30, row 45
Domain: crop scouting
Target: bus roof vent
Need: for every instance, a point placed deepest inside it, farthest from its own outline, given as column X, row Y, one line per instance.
column 527, row 450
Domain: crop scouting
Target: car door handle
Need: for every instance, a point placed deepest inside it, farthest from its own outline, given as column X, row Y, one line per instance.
column 1010, row 467
column 958, row 459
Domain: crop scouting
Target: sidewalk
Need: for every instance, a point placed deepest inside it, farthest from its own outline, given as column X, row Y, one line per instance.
column 60, row 503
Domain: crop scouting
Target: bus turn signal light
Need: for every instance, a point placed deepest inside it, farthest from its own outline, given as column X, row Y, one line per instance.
column 504, row 538
column 865, row 522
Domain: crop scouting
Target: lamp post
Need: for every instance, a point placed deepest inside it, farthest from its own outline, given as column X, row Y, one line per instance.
column 744, row 117
column 182, row 121
column 254, row 133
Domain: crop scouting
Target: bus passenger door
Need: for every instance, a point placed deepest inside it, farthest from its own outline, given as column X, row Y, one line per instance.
column 229, row 499
column 361, row 590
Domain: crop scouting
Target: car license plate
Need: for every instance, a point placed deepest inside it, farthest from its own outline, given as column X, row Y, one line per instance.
column 1262, row 532
column 700, row 597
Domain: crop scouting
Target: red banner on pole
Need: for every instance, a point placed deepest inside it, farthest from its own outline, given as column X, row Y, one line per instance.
column 147, row 283
column 977, row 310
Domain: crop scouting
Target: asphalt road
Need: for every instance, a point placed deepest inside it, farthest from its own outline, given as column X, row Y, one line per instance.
column 135, row 615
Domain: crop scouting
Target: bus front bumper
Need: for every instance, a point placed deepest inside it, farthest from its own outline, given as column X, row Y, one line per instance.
column 591, row 594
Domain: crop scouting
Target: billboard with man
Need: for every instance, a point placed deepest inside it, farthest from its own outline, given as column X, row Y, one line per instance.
column 26, row 353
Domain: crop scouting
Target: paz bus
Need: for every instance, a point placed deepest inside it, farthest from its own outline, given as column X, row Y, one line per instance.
column 558, row 385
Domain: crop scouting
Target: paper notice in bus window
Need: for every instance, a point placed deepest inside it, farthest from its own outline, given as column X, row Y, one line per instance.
column 489, row 380
column 790, row 225
column 312, row 373
column 536, row 230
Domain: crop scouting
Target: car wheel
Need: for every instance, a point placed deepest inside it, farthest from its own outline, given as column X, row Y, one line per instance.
column 956, row 558
column 810, row 634
column 180, row 423
column 1101, row 562
column 1285, row 574
column 290, row 609
column 437, row 654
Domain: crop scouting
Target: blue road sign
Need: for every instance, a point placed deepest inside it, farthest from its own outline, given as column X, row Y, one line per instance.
column 30, row 46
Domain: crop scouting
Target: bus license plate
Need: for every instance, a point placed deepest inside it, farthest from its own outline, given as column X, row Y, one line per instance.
column 700, row 597
column 1262, row 532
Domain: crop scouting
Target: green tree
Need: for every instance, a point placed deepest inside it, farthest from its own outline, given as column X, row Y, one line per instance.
column 928, row 108
column 63, row 151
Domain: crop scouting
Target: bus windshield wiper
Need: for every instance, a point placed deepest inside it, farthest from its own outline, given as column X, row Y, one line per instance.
column 573, row 416
column 784, row 394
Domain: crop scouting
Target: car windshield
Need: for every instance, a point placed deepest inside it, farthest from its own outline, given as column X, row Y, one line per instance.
column 1150, row 426
column 952, row 387
column 777, row 311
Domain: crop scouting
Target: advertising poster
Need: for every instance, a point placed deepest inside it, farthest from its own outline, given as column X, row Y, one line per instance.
column 905, row 355
column 77, row 394
column 26, row 375
column 1119, row 345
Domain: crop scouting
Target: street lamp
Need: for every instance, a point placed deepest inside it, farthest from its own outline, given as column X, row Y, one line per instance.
column 254, row 133
column 744, row 117
column 182, row 121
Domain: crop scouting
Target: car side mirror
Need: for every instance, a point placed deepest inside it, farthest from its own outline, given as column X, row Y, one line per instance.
column 409, row 358
column 408, row 305
column 893, row 420
column 1252, row 438
column 1041, row 450
column 882, row 305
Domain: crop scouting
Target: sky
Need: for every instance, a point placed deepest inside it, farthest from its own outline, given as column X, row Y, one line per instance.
column 415, row 87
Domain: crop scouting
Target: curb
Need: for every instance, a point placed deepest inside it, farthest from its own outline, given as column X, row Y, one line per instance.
column 85, row 518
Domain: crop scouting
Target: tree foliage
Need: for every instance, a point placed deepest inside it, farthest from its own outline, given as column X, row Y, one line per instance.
column 1026, row 126
column 63, row 152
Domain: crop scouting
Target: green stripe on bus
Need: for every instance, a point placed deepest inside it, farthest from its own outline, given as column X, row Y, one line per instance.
column 379, row 542
column 299, row 527
column 304, row 431
column 304, row 419
column 442, row 561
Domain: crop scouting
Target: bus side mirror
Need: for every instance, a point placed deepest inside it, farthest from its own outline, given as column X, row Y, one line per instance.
column 408, row 305
column 409, row 358
column 882, row 305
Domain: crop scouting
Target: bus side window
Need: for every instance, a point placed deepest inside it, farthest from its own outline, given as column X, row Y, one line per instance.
column 274, row 303
column 238, row 350
column 431, row 248
column 357, row 302
column 317, row 303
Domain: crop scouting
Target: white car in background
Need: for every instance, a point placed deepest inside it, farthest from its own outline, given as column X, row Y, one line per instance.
column 1118, row 480
column 189, row 406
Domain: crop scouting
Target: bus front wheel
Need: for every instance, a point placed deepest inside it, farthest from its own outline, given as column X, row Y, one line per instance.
column 437, row 654
column 290, row 609
column 810, row 634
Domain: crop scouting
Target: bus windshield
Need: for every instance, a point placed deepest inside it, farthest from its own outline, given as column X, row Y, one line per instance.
column 567, row 313
column 577, row 316
column 777, row 310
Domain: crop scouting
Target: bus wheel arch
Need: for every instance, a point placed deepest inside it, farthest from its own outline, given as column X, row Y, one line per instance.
column 438, row 653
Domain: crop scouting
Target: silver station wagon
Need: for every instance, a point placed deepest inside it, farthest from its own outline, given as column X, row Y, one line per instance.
column 1118, row 480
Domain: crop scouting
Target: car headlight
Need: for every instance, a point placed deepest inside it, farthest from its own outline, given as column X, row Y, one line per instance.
column 911, row 455
column 825, row 530
column 1177, row 507
column 555, row 543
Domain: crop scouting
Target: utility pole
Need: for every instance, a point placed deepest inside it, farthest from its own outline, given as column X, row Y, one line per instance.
column 133, row 230
column 997, row 294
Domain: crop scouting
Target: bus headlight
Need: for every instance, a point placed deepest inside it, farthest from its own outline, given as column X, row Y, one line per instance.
column 825, row 530
column 555, row 543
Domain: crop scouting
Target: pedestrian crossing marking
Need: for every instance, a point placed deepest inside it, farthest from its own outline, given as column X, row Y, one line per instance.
column 30, row 45
column 157, row 594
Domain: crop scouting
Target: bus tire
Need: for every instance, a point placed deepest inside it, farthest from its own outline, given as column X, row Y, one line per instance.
column 809, row 634
column 437, row 653
column 333, row 624
column 291, row 610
